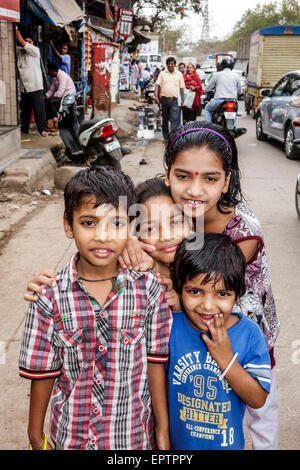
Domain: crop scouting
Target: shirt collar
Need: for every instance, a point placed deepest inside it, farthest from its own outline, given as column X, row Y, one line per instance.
column 69, row 276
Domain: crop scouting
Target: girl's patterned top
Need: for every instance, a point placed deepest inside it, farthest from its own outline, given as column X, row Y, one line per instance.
column 258, row 302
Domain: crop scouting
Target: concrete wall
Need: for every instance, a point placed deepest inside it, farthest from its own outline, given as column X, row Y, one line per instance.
column 8, row 82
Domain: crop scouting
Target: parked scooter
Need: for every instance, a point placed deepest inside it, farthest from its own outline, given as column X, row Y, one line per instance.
column 90, row 142
column 225, row 115
column 150, row 91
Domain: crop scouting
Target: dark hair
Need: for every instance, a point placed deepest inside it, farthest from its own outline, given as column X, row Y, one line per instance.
column 215, row 143
column 106, row 184
column 151, row 188
column 52, row 67
column 181, row 63
column 171, row 59
column 219, row 259
column 28, row 36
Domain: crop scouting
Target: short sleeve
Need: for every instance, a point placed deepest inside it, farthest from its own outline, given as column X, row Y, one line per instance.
column 159, row 80
column 39, row 358
column 158, row 329
column 257, row 361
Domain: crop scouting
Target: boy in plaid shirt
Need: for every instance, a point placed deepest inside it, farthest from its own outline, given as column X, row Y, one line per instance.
column 98, row 340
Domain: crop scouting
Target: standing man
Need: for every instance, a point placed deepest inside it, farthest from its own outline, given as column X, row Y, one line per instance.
column 62, row 59
column 31, row 84
column 169, row 85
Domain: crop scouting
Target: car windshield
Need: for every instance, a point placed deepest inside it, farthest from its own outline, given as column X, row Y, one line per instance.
column 155, row 58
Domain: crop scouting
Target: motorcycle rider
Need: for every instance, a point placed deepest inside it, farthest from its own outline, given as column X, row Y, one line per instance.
column 227, row 85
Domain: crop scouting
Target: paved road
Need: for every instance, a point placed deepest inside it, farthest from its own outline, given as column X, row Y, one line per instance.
column 268, row 181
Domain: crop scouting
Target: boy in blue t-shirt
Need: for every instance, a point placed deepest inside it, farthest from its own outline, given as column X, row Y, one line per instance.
column 219, row 360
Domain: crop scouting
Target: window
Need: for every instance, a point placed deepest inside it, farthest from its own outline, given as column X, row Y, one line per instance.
column 295, row 88
column 283, row 87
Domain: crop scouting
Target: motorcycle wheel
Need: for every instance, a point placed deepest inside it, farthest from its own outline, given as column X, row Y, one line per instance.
column 297, row 197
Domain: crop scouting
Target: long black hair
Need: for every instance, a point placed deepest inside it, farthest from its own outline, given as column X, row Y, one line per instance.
column 226, row 151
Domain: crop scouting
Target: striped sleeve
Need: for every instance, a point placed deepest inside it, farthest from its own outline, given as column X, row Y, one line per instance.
column 257, row 362
column 39, row 358
column 158, row 329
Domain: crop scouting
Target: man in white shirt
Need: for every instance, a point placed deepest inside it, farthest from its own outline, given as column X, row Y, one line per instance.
column 31, row 84
column 227, row 85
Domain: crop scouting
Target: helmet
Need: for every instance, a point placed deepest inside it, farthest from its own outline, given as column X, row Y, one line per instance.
column 227, row 62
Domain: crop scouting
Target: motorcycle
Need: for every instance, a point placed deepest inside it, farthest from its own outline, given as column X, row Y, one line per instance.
column 225, row 115
column 150, row 91
column 90, row 142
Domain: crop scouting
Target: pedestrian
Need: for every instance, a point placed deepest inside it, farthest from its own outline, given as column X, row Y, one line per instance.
column 62, row 84
column 168, row 86
column 226, row 84
column 145, row 77
column 99, row 338
column 62, row 59
column 134, row 70
column 219, row 360
column 181, row 67
column 31, row 84
column 202, row 172
column 192, row 82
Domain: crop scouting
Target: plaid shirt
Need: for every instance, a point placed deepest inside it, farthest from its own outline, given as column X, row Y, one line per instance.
column 101, row 398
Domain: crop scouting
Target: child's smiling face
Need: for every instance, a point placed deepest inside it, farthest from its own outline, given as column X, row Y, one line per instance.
column 100, row 233
column 202, row 302
column 197, row 180
column 163, row 226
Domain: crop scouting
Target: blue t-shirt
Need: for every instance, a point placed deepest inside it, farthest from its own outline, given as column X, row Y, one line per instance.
column 205, row 413
column 64, row 63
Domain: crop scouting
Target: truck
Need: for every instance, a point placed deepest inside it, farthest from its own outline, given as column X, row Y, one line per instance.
column 274, row 51
column 149, row 55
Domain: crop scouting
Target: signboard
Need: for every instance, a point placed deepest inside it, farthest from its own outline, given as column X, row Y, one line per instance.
column 151, row 47
column 126, row 20
column 10, row 10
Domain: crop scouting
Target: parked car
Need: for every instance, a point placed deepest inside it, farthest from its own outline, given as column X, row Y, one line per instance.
column 278, row 114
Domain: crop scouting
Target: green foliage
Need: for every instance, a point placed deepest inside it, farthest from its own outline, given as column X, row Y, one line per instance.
column 286, row 12
column 157, row 12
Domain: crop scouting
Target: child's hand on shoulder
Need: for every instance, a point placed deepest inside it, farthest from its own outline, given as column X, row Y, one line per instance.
column 35, row 286
column 135, row 255
column 171, row 296
column 219, row 346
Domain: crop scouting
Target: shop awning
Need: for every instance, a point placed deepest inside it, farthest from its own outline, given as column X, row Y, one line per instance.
column 61, row 13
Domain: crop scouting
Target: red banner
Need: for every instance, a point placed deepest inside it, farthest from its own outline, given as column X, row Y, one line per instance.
column 10, row 10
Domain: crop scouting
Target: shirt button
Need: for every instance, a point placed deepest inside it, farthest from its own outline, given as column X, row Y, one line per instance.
column 93, row 441
column 96, row 411
column 126, row 340
column 98, row 381
column 102, row 314
column 101, row 348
